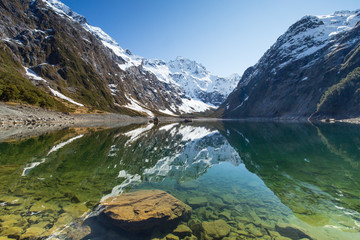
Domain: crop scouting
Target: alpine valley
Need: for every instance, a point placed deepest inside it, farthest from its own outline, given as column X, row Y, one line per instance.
column 51, row 57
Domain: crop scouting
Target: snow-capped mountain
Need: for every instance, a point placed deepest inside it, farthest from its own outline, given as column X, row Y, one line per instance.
column 202, row 91
column 197, row 82
column 313, row 33
column 298, row 76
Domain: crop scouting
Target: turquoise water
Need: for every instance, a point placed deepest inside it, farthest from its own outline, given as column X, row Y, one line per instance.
column 264, row 180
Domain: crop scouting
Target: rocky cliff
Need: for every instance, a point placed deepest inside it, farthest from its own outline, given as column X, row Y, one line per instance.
column 311, row 71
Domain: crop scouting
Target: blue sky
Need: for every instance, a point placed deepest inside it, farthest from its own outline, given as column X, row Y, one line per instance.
column 225, row 36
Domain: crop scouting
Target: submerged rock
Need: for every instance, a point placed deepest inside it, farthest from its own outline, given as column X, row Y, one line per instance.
column 171, row 237
column 182, row 231
column 190, row 185
column 291, row 232
column 33, row 232
column 143, row 210
column 226, row 214
column 217, row 229
column 197, row 201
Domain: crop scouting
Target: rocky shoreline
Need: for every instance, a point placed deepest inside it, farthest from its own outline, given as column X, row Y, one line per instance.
column 18, row 114
column 21, row 121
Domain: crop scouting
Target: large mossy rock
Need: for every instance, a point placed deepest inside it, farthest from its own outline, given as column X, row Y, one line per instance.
column 143, row 210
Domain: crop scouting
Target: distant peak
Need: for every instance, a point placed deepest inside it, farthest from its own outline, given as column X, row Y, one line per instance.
column 234, row 76
column 182, row 60
column 347, row 12
column 342, row 13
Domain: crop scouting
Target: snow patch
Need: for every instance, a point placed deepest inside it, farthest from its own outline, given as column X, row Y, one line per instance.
column 62, row 96
column 160, row 69
column 135, row 105
column 113, row 89
column 242, row 103
column 304, row 79
column 168, row 112
column 33, row 76
column 192, row 105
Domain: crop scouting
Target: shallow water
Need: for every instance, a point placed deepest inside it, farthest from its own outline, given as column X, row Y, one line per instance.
column 265, row 180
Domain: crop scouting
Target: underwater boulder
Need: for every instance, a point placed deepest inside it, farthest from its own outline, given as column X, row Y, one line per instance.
column 143, row 210
column 216, row 230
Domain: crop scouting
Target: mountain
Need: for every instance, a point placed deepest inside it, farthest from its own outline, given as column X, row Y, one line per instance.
column 312, row 71
column 197, row 82
column 78, row 66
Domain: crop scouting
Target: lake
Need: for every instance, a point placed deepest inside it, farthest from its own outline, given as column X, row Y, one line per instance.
column 264, row 180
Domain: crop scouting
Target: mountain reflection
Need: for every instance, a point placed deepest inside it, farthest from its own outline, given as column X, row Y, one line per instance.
column 57, row 178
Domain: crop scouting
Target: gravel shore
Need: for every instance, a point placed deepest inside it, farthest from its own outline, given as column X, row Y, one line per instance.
column 20, row 121
column 11, row 114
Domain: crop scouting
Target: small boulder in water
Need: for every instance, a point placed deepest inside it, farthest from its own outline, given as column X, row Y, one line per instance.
column 143, row 210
